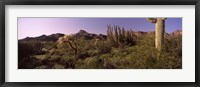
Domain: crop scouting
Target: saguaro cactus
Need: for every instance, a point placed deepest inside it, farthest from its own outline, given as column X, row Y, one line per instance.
column 159, row 31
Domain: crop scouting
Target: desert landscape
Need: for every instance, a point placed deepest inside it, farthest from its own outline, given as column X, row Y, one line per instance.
column 118, row 48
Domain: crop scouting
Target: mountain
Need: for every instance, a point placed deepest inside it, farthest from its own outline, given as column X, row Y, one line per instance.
column 89, row 36
column 177, row 32
column 85, row 35
column 44, row 38
column 55, row 37
column 82, row 32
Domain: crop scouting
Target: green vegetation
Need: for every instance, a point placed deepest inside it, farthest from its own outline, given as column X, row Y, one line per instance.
column 122, row 49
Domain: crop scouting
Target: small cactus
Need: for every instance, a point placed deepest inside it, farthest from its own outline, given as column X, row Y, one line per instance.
column 159, row 31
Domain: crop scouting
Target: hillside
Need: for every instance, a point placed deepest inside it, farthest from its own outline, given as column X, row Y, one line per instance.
column 55, row 37
column 45, row 38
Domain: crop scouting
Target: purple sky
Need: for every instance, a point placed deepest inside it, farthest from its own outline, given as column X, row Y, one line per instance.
column 32, row 27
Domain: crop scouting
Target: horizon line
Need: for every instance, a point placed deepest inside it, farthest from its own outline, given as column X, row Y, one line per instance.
column 87, row 32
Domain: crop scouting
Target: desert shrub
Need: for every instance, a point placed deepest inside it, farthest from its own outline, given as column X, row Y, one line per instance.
column 37, row 47
column 135, row 57
column 144, row 55
column 83, row 55
column 55, row 57
column 173, row 45
column 103, row 47
column 168, row 61
column 147, row 40
column 24, row 50
column 93, row 52
column 84, row 45
column 28, row 63
column 50, row 45
column 67, row 58
column 89, row 63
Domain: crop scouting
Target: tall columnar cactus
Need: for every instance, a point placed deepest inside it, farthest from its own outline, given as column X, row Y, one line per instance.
column 110, row 35
column 159, row 31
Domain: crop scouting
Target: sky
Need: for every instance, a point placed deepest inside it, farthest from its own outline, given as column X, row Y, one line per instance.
column 32, row 27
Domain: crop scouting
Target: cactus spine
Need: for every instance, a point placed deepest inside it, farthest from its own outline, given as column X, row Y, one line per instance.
column 159, row 31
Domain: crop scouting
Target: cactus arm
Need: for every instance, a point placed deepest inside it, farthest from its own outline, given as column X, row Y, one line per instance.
column 164, row 18
column 152, row 20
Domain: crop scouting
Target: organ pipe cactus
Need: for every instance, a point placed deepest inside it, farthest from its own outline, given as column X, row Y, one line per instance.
column 119, row 36
column 159, row 31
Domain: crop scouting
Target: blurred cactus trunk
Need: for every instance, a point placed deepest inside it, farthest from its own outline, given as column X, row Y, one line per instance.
column 159, row 31
column 119, row 36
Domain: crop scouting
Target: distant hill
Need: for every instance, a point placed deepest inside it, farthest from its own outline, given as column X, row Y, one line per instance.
column 88, row 36
column 55, row 37
column 45, row 38
column 142, row 33
column 177, row 32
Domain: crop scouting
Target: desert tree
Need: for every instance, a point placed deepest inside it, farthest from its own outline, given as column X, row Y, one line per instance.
column 68, row 39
